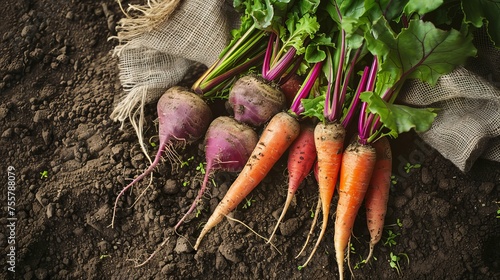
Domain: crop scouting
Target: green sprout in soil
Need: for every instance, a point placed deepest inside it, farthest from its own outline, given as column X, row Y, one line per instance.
column 351, row 247
column 394, row 262
column 104, row 256
column 186, row 162
column 361, row 262
column 391, row 239
column 399, row 223
column 198, row 212
column 44, row 174
column 185, row 183
column 201, row 168
column 151, row 142
column 394, row 180
column 408, row 167
column 248, row 203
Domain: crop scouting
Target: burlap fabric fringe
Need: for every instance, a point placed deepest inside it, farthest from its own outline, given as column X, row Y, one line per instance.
column 157, row 47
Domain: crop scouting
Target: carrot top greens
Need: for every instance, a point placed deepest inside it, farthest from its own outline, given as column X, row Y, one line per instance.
column 354, row 55
column 382, row 44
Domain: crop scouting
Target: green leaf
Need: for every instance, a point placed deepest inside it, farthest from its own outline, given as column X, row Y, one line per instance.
column 350, row 9
column 299, row 29
column 484, row 12
column 427, row 52
column 399, row 118
column 308, row 6
column 262, row 13
column 265, row 14
column 313, row 107
column 315, row 49
column 420, row 51
column 422, row 7
column 389, row 9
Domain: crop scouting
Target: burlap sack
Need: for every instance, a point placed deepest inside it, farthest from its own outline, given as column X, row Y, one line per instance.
column 156, row 49
column 468, row 124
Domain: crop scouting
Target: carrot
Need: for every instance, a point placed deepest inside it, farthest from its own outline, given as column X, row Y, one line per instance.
column 377, row 194
column 274, row 141
column 301, row 158
column 329, row 140
column 356, row 170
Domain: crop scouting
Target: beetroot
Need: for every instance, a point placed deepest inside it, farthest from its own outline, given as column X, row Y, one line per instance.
column 228, row 145
column 291, row 87
column 254, row 101
column 183, row 118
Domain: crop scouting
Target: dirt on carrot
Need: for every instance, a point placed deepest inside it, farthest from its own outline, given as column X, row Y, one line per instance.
column 356, row 171
column 277, row 136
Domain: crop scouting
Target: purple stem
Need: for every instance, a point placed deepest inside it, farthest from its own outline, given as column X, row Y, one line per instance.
column 281, row 66
column 348, row 76
column 267, row 56
column 306, row 87
column 336, row 105
column 354, row 105
column 373, row 72
column 364, row 123
column 329, row 78
column 219, row 80
column 294, row 69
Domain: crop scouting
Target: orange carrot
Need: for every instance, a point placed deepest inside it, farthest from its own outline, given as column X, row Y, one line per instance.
column 377, row 194
column 274, row 141
column 329, row 140
column 357, row 167
column 301, row 158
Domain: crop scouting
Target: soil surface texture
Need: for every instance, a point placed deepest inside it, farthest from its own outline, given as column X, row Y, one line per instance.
column 64, row 161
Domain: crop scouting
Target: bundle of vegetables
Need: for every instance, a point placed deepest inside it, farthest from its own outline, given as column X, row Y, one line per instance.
column 254, row 99
column 279, row 64
column 379, row 45
column 403, row 45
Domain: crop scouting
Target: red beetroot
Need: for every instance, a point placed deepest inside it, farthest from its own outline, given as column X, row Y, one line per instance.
column 228, row 145
column 183, row 118
column 255, row 101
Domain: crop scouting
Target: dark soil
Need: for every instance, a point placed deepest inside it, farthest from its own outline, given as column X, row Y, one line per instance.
column 58, row 86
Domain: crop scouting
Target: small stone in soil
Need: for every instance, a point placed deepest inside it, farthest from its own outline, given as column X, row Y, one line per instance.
column 289, row 227
column 50, row 210
column 168, row 269
column 171, row 187
column 182, row 246
column 227, row 250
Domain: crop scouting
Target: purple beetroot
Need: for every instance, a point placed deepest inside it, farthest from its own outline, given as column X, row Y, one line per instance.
column 183, row 118
column 254, row 101
column 228, row 145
